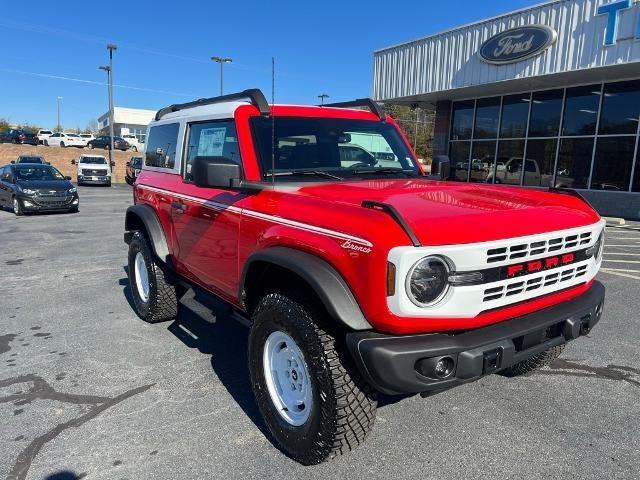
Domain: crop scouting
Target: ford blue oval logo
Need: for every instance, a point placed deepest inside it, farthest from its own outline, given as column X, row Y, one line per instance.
column 517, row 44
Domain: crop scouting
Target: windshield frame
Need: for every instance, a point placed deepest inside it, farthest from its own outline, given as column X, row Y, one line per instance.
column 394, row 139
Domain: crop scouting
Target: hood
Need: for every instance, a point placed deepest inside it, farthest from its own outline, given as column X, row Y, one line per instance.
column 447, row 212
column 57, row 185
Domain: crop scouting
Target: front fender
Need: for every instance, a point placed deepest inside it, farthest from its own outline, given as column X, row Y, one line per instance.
column 333, row 291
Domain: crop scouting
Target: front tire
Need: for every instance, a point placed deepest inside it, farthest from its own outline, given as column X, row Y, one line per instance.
column 312, row 398
column 17, row 207
column 154, row 296
column 540, row 360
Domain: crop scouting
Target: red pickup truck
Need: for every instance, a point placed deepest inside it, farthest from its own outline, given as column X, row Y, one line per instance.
column 355, row 272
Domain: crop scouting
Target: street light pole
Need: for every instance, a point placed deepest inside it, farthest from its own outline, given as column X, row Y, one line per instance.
column 58, row 126
column 221, row 61
column 322, row 96
column 111, row 47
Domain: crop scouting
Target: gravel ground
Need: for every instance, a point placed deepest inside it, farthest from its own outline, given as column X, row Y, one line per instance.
column 88, row 389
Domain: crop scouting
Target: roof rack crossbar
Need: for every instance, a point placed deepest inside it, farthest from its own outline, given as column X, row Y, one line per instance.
column 361, row 102
column 254, row 95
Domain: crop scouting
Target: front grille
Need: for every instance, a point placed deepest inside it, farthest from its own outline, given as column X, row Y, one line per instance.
column 53, row 199
column 533, row 283
column 93, row 173
column 526, row 250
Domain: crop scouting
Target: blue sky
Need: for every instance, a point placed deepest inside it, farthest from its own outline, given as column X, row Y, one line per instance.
column 164, row 50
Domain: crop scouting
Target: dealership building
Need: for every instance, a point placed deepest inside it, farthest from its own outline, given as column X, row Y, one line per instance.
column 556, row 84
column 127, row 121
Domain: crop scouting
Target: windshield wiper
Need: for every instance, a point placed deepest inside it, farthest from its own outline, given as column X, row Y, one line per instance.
column 357, row 171
column 292, row 173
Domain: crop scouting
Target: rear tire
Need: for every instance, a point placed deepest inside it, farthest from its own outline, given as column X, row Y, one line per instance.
column 543, row 359
column 154, row 295
column 331, row 407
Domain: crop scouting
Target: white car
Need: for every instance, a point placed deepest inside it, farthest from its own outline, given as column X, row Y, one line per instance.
column 86, row 137
column 60, row 139
column 132, row 140
column 93, row 170
column 43, row 135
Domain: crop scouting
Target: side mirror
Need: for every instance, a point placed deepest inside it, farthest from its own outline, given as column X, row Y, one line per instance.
column 128, row 164
column 112, row 163
column 67, row 177
column 215, row 172
column 73, row 162
column 440, row 167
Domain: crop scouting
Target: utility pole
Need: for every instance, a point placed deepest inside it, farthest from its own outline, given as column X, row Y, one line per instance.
column 58, row 128
column 109, row 69
column 221, row 61
column 322, row 96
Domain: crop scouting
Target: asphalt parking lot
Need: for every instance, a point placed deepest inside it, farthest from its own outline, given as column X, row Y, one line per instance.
column 89, row 389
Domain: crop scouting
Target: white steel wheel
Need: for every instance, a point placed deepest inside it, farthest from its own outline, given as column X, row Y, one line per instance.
column 287, row 378
column 142, row 277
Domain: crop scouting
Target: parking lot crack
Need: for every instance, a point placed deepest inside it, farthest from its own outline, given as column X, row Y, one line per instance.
column 42, row 390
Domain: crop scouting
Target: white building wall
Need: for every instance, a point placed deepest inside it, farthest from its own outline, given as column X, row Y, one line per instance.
column 450, row 60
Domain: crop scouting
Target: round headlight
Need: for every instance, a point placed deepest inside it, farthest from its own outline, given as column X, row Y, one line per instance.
column 427, row 281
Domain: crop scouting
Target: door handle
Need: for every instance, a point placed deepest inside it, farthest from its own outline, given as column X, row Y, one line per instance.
column 178, row 206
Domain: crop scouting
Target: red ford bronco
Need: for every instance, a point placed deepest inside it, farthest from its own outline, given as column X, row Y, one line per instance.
column 355, row 272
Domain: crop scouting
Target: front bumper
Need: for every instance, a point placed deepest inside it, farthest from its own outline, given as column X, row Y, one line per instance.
column 36, row 204
column 406, row 364
column 94, row 180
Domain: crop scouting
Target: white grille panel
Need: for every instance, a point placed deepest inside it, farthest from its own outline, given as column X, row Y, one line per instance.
column 526, row 284
column 524, row 251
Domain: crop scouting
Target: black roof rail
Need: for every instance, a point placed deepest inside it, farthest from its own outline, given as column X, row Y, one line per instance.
column 360, row 102
column 254, row 95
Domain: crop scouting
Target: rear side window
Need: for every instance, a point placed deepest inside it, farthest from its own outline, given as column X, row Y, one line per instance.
column 212, row 139
column 161, row 146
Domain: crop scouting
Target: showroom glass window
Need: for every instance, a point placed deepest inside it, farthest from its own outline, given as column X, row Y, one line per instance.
column 581, row 137
column 462, row 115
column 581, row 111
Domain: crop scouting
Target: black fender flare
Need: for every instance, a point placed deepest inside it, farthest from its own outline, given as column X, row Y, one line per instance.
column 145, row 215
column 328, row 284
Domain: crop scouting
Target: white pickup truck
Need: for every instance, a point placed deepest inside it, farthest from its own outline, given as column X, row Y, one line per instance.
column 93, row 170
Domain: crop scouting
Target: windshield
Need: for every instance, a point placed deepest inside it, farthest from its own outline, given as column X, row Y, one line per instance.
column 331, row 148
column 37, row 172
column 93, row 160
column 30, row 160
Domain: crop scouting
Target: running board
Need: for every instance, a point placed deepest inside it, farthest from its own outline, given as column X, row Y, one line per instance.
column 208, row 307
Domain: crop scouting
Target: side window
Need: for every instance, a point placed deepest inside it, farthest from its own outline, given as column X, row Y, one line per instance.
column 161, row 147
column 210, row 139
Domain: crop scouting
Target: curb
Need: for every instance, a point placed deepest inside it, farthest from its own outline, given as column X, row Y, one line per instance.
column 614, row 221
